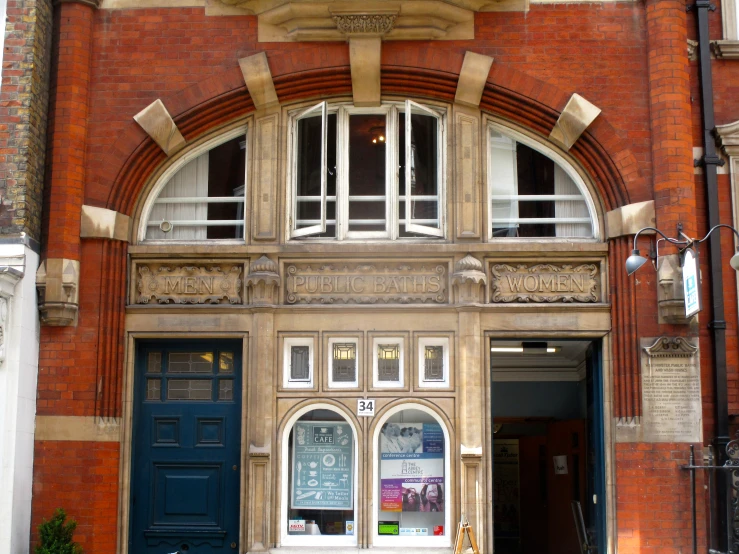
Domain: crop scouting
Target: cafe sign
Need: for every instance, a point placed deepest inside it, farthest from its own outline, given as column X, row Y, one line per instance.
column 544, row 283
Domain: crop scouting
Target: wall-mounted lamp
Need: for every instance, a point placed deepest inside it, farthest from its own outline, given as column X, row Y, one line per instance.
column 690, row 270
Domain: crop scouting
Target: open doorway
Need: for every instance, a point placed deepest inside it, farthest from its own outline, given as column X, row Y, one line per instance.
column 548, row 457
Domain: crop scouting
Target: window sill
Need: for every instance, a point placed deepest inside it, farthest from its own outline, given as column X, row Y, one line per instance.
column 726, row 49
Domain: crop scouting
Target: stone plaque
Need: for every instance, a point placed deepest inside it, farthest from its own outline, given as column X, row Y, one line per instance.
column 545, row 283
column 389, row 282
column 671, row 391
column 189, row 284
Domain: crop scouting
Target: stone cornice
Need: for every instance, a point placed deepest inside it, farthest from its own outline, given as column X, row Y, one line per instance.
column 726, row 49
column 727, row 137
column 292, row 21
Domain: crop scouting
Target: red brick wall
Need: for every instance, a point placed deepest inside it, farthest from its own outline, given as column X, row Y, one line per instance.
column 82, row 478
column 653, row 499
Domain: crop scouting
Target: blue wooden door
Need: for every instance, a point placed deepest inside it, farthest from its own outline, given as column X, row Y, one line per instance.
column 186, row 448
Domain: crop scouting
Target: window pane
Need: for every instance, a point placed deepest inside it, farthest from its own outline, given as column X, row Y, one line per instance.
column 225, row 362
column 388, row 362
column 154, row 362
column 424, row 173
column 367, row 189
column 153, row 389
column 344, row 363
column 205, row 198
column 226, row 389
column 434, row 363
column 320, row 479
column 189, row 389
column 308, row 178
column 299, row 363
column 531, row 195
column 412, row 486
column 190, row 362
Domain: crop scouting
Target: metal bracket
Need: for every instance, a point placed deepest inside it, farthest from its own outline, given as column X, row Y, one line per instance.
column 713, row 159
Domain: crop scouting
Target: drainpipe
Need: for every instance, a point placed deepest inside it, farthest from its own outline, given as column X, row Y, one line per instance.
column 718, row 325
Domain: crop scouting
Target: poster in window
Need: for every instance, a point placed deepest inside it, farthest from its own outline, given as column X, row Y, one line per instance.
column 412, row 467
column 322, row 466
column 506, row 487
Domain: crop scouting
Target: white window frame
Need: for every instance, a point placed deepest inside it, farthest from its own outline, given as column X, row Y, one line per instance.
column 181, row 162
column 342, row 384
column 376, row 382
column 423, row 342
column 392, row 215
column 315, row 540
column 410, row 226
column 557, row 159
column 411, row 542
column 287, row 382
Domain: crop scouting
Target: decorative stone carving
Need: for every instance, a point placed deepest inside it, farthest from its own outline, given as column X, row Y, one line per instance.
column 264, row 280
column 57, row 281
column 468, row 280
column 670, row 293
column 189, row 284
column 364, row 23
column 390, row 282
column 545, row 283
column 671, row 390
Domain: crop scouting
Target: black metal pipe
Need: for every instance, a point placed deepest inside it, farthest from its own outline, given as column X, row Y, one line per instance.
column 718, row 325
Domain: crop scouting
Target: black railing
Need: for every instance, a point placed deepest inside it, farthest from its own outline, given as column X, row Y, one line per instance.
column 726, row 475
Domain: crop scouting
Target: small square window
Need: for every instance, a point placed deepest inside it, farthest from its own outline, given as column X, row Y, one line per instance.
column 433, row 362
column 342, row 365
column 298, row 363
column 387, row 364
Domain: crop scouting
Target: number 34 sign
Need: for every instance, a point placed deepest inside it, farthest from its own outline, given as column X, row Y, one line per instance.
column 365, row 407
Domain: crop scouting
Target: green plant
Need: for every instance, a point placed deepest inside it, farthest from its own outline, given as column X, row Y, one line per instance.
column 56, row 535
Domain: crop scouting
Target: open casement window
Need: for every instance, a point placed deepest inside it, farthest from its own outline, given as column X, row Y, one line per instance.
column 420, row 190
column 532, row 194
column 363, row 158
column 204, row 197
column 312, row 188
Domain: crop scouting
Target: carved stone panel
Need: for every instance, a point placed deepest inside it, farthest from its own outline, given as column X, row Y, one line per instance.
column 165, row 283
column 387, row 282
column 545, row 283
column 671, row 390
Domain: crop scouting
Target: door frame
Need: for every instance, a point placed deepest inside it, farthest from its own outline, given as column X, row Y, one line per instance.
column 127, row 423
column 609, row 468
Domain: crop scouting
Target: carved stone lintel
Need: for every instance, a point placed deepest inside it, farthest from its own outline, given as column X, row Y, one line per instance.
column 545, row 283
column 386, row 282
column 264, row 281
column 189, row 284
column 57, row 281
column 365, row 24
column 674, row 347
column 468, row 280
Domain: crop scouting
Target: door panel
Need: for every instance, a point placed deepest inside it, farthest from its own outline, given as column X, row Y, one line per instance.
column 187, row 447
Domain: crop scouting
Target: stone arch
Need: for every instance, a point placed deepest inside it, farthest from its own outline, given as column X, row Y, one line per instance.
column 509, row 94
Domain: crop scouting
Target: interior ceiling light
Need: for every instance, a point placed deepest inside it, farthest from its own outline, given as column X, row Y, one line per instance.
column 527, row 348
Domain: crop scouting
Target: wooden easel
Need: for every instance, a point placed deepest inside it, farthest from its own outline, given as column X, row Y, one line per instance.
column 463, row 528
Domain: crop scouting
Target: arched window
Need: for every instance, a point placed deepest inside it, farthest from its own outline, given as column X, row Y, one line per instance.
column 202, row 196
column 534, row 192
column 319, row 476
column 412, row 479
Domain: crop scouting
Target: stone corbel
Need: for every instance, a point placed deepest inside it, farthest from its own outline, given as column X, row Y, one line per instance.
column 468, row 280
column 57, row 281
column 264, row 281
